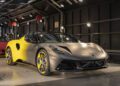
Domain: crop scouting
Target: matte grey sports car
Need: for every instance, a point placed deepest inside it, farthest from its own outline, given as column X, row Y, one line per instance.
column 55, row 52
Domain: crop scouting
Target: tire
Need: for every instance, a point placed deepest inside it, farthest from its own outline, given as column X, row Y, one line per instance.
column 9, row 59
column 42, row 62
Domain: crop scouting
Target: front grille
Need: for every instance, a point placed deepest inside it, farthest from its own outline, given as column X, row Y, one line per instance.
column 77, row 65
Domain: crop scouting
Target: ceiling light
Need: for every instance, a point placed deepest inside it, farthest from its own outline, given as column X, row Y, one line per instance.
column 22, row 18
column 80, row 0
column 30, row 15
column 18, row 25
column 62, row 27
column 28, row 23
column 62, row 5
column 41, row 21
column 88, row 24
column 15, row 19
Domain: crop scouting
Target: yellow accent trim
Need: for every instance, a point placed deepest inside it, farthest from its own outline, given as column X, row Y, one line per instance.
column 19, row 54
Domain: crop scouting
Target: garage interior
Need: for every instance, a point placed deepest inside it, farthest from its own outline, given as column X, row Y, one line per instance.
column 95, row 21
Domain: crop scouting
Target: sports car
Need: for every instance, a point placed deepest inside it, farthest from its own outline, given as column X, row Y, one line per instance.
column 3, row 44
column 55, row 52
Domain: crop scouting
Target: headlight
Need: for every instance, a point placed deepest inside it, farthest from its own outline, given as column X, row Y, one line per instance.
column 58, row 51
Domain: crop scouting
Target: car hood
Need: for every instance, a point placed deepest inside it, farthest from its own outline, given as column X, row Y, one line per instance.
column 79, row 49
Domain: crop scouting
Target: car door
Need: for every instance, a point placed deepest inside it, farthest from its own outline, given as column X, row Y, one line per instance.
column 28, row 50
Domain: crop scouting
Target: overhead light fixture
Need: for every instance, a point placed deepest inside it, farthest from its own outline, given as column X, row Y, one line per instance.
column 22, row 18
column 28, row 23
column 80, row 0
column 41, row 21
column 88, row 24
column 62, row 28
column 15, row 19
column 18, row 25
column 30, row 15
column 62, row 5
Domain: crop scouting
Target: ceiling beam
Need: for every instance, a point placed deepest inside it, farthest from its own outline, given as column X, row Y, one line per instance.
column 41, row 12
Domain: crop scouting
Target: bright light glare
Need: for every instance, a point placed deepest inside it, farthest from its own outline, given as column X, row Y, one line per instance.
column 62, row 28
column 84, row 45
column 30, row 15
column 88, row 24
column 22, row 18
column 28, row 23
column 41, row 21
column 41, row 35
column 67, row 39
column 80, row 0
column 62, row 5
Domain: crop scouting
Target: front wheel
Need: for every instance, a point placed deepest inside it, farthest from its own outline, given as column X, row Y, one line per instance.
column 9, row 58
column 42, row 62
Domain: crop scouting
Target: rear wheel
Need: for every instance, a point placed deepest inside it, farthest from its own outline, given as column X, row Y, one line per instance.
column 9, row 58
column 42, row 62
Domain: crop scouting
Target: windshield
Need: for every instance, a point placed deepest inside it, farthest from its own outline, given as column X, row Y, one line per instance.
column 51, row 38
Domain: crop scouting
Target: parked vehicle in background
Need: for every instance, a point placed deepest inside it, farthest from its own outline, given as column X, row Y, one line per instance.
column 3, row 43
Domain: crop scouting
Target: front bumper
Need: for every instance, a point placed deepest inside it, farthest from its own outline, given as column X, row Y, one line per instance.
column 76, row 65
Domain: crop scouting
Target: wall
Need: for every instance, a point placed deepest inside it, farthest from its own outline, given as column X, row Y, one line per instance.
column 81, row 15
column 24, row 28
column 95, row 14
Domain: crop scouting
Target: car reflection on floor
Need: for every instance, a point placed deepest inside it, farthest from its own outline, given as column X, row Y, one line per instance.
column 27, row 75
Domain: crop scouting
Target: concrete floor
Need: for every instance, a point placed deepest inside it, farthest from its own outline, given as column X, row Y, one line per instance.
column 27, row 75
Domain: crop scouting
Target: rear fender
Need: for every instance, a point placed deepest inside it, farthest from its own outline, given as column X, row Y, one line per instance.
column 12, row 46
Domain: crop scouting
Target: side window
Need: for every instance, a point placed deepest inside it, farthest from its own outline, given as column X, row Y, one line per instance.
column 31, row 38
column 40, row 40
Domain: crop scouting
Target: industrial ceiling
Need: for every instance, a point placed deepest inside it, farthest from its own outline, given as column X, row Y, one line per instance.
column 22, row 10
